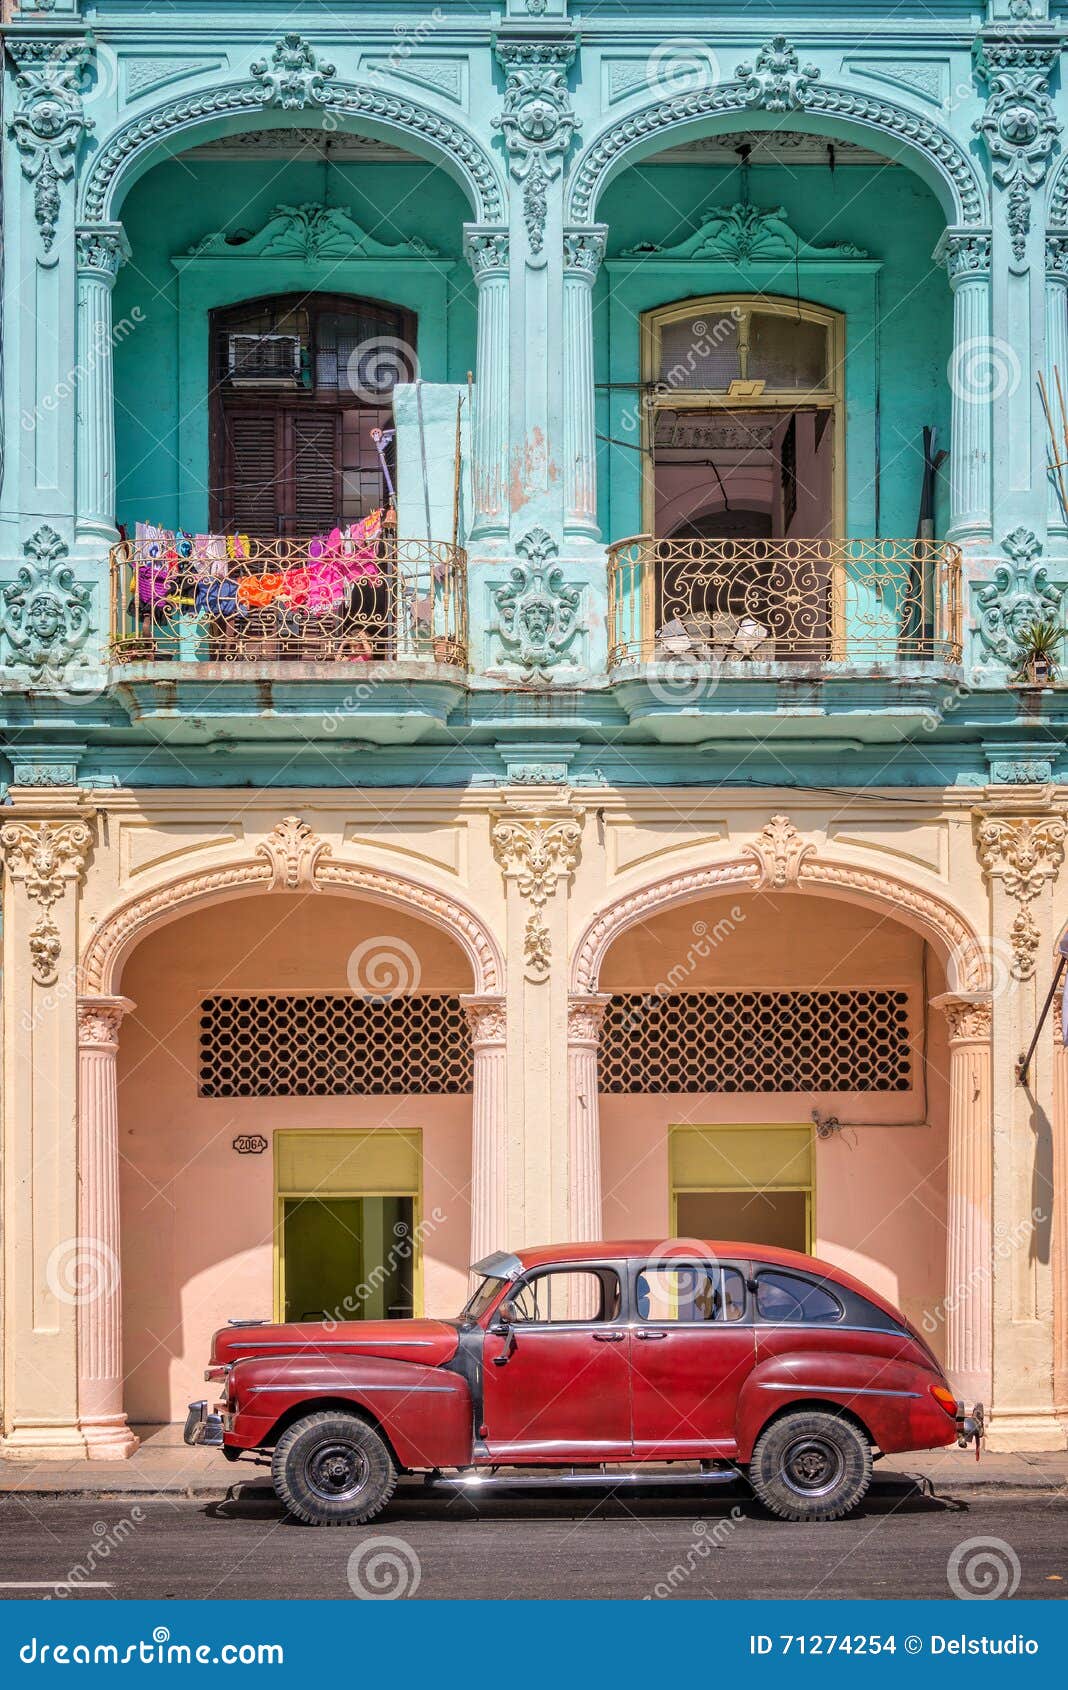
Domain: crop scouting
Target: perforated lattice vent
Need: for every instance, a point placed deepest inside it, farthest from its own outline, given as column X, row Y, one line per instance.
column 336, row 1045
column 756, row 1041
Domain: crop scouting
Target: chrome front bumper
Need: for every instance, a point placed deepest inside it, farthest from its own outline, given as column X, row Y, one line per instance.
column 971, row 1427
column 202, row 1427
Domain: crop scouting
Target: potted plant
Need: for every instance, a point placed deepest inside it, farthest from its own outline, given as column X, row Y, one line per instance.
column 1040, row 644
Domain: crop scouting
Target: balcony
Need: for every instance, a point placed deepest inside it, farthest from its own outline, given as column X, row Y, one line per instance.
column 210, row 632
column 708, row 624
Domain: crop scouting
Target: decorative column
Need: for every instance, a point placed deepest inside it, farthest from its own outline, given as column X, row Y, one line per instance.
column 102, row 249
column 1060, row 1216
column 45, row 842
column 583, row 251
column 1021, row 847
column 95, row 1271
column 1057, row 356
column 969, row 1223
column 486, row 249
column 1019, row 129
column 585, row 1016
column 973, row 371
column 537, row 124
column 487, row 1020
column 536, row 841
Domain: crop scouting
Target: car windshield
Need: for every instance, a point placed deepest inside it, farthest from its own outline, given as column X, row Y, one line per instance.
column 481, row 1298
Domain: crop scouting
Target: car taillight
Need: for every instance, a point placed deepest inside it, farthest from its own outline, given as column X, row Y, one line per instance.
column 945, row 1399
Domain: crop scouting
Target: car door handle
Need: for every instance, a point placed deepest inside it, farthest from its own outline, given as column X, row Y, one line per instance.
column 609, row 1337
column 648, row 1337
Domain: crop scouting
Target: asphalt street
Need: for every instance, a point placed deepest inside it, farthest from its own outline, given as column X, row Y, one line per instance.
column 902, row 1544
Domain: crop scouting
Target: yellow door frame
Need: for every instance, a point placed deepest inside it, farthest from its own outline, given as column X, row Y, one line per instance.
column 284, row 1194
column 725, row 1190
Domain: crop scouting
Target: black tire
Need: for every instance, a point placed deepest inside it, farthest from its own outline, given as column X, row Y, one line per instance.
column 811, row 1466
column 332, row 1469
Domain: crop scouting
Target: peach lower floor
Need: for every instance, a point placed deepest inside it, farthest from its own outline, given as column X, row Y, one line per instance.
column 322, row 1061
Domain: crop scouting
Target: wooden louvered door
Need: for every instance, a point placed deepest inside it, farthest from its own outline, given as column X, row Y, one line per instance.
column 283, row 469
column 250, row 488
column 310, row 471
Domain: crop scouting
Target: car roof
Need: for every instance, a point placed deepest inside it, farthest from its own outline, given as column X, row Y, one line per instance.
column 761, row 1255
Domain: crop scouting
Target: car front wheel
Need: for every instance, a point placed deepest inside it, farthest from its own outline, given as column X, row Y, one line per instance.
column 333, row 1469
column 811, row 1466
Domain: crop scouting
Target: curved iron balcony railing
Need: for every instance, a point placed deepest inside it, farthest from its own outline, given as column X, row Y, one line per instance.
column 242, row 599
column 865, row 602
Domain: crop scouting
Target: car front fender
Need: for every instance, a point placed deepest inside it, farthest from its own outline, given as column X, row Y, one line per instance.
column 425, row 1412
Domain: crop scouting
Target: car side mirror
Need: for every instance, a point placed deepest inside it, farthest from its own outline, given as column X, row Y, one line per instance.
column 503, row 1328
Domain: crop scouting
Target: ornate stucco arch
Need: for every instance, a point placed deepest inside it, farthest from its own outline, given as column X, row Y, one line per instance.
column 782, row 861
column 938, row 156
column 256, row 101
column 291, row 859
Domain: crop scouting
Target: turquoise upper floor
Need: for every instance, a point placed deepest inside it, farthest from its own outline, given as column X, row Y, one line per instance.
column 704, row 359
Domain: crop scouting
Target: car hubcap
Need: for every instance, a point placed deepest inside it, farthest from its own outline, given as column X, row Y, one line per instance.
column 337, row 1472
column 812, row 1466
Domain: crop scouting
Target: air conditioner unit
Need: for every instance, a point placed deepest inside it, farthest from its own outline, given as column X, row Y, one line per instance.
column 264, row 360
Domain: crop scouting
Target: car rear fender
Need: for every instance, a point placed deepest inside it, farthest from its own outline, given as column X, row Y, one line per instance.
column 889, row 1399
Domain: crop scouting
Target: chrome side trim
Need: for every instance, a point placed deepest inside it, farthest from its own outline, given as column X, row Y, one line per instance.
column 351, row 1385
column 841, row 1390
column 297, row 1344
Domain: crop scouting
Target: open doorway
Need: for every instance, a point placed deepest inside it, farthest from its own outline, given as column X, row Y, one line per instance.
column 723, row 474
column 744, row 488
column 347, row 1230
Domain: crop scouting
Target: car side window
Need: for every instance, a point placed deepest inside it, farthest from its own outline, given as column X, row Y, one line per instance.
column 685, row 1291
column 787, row 1297
column 567, row 1294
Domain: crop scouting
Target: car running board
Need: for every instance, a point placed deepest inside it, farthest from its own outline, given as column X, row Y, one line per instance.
column 605, row 1480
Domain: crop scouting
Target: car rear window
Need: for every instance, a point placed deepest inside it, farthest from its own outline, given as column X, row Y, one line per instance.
column 788, row 1297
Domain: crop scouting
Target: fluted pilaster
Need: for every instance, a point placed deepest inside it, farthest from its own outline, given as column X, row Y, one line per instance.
column 968, row 1301
column 487, row 253
column 583, row 249
column 584, row 1018
column 101, row 251
column 486, row 1018
column 979, row 371
column 1060, row 1218
column 94, row 1274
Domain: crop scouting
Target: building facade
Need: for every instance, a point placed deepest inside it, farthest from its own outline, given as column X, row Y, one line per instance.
column 531, row 587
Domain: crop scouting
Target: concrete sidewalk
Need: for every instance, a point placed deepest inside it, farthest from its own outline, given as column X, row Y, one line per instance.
column 164, row 1466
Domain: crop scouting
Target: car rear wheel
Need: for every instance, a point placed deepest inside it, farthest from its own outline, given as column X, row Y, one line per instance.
column 333, row 1469
column 811, row 1466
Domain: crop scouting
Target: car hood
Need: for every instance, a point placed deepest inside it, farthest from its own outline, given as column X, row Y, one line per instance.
column 431, row 1342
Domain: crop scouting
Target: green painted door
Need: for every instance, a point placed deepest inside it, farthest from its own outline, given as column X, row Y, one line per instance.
column 344, row 1260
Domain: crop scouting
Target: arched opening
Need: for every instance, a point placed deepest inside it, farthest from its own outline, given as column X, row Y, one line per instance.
column 771, row 358
column 771, row 1069
column 295, row 1117
column 283, row 490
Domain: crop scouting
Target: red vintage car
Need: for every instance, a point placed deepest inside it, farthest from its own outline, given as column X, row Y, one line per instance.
column 604, row 1359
